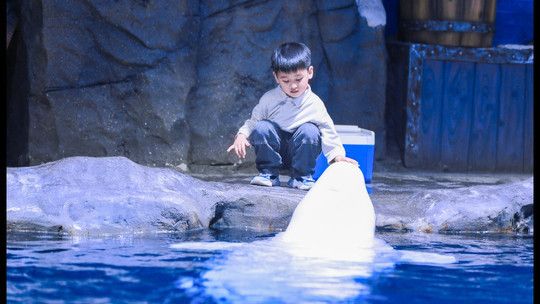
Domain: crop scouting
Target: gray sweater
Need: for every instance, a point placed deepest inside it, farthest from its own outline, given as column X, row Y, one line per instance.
column 289, row 113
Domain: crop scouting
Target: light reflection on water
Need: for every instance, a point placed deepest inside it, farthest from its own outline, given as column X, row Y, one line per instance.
column 264, row 271
column 489, row 269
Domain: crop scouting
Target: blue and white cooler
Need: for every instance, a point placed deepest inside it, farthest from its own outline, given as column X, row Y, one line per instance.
column 359, row 145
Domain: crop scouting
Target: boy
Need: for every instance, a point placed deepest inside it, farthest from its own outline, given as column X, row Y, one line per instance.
column 290, row 125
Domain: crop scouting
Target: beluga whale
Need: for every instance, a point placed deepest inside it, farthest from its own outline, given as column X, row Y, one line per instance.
column 336, row 218
column 328, row 248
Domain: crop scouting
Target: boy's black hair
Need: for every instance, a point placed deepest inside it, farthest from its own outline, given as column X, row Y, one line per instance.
column 291, row 57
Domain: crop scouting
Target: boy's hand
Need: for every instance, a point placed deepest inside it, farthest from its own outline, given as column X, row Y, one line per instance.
column 239, row 145
column 345, row 159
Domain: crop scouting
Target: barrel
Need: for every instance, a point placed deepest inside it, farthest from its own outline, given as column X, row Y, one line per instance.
column 468, row 23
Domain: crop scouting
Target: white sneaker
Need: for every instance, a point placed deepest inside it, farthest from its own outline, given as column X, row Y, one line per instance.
column 265, row 180
column 302, row 184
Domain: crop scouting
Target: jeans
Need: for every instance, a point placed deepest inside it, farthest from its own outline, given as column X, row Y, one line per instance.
column 275, row 148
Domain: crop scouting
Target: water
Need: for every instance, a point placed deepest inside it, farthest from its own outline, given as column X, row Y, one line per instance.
column 55, row 269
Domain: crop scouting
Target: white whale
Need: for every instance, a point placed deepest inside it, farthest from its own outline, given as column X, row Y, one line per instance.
column 336, row 218
column 328, row 245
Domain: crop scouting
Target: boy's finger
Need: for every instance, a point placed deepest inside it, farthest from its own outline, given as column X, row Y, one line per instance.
column 230, row 148
column 242, row 152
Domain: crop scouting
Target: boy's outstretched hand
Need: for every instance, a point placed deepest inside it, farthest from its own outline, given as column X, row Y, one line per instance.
column 344, row 159
column 239, row 145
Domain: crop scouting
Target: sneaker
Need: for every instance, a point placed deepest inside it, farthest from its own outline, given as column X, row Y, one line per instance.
column 302, row 183
column 265, row 180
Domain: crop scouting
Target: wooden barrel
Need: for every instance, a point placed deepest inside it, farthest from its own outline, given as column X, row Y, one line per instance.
column 468, row 23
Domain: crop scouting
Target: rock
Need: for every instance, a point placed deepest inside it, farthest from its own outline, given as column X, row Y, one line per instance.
column 481, row 208
column 11, row 21
column 116, row 82
column 113, row 195
column 17, row 88
column 84, row 195
column 355, row 54
column 170, row 82
column 522, row 221
column 256, row 208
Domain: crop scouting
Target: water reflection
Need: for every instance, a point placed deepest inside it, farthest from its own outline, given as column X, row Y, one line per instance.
column 269, row 269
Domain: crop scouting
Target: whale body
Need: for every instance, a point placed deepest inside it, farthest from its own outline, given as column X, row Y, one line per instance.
column 335, row 219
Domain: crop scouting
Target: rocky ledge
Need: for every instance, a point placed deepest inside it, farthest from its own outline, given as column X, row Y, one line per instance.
column 113, row 195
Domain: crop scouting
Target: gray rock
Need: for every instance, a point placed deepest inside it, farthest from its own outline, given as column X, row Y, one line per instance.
column 105, row 195
column 113, row 195
column 253, row 208
column 523, row 221
column 11, row 21
column 170, row 82
column 497, row 208
column 115, row 82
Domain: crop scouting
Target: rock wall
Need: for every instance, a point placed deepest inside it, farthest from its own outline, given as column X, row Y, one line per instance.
column 170, row 82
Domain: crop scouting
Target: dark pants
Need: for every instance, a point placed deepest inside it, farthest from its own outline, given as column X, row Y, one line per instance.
column 275, row 148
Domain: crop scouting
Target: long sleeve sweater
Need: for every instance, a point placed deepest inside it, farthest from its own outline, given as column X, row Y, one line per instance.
column 290, row 113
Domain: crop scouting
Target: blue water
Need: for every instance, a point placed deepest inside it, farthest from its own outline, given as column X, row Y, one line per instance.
column 45, row 268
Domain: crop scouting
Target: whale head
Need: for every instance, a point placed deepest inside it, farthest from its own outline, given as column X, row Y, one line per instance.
column 335, row 216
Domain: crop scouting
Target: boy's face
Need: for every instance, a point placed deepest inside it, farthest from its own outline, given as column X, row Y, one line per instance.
column 294, row 83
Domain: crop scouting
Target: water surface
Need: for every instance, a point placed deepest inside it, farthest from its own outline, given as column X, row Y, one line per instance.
column 45, row 268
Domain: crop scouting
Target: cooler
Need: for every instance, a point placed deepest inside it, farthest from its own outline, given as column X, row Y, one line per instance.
column 359, row 145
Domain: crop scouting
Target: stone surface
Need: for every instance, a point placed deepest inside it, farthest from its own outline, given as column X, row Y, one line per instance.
column 170, row 82
column 11, row 21
column 104, row 195
column 478, row 208
column 115, row 82
column 113, row 195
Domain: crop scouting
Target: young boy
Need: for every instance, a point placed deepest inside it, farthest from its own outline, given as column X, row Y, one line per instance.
column 290, row 125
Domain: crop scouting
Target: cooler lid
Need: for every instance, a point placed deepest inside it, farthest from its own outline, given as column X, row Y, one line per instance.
column 354, row 135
